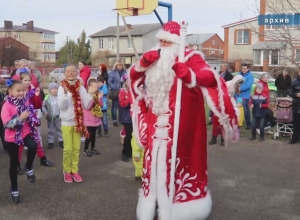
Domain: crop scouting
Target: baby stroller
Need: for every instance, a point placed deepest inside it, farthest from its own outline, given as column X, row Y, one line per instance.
column 284, row 117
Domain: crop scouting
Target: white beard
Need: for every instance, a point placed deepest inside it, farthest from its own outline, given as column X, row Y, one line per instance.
column 160, row 79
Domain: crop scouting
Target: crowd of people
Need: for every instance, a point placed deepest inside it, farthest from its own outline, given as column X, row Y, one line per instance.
column 263, row 110
column 144, row 101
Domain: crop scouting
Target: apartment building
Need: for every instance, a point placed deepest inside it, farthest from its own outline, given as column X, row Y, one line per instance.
column 41, row 42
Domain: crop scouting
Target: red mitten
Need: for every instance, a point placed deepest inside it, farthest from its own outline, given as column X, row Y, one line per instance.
column 149, row 58
column 182, row 72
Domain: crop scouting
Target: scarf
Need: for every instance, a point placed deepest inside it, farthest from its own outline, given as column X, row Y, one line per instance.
column 74, row 88
column 96, row 110
column 32, row 120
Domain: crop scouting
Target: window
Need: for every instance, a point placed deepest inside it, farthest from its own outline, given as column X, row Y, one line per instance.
column 213, row 42
column 297, row 55
column 274, row 56
column 48, row 46
column 49, row 57
column 49, row 36
column 257, row 57
column 110, row 43
column 242, row 37
column 260, row 55
column 212, row 52
column 129, row 44
column 101, row 46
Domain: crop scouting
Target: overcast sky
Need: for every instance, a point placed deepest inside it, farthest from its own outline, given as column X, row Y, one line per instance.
column 70, row 17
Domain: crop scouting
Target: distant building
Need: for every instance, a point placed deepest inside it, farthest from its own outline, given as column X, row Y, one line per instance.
column 41, row 42
column 210, row 44
column 143, row 36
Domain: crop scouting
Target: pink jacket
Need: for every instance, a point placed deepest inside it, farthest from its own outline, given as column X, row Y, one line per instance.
column 90, row 119
column 9, row 112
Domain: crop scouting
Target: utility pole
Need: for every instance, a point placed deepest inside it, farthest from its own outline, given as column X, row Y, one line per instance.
column 118, row 37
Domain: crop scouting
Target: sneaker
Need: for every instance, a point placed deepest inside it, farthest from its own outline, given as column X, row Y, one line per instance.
column 252, row 138
column 30, row 175
column 61, row 144
column 50, row 145
column 94, row 151
column 269, row 131
column 116, row 124
column 68, row 177
column 87, row 153
column 248, row 127
column 82, row 139
column 261, row 139
column 77, row 178
column 15, row 196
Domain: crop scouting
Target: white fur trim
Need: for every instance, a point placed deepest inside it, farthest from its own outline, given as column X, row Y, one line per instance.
column 194, row 52
column 196, row 209
column 165, row 35
column 139, row 68
column 135, row 105
column 193, row 78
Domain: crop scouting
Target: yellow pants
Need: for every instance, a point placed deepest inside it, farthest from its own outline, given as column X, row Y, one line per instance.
column 71, row 149
column 137, row 152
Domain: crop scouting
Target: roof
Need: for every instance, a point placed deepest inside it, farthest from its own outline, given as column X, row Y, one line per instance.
column 269, row 45
column 136, row 30
column 197, row 39
column 7, row 38
column 240, row 22
column 23, row 28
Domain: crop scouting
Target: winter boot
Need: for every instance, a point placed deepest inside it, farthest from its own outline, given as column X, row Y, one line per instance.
column 213, row 141
column 106, row 134
column 222, row 142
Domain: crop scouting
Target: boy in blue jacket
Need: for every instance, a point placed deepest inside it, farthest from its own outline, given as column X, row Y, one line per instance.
column 259, row 105
column 245, row 92
column 103, row 89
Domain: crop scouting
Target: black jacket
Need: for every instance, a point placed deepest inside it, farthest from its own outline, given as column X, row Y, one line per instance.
column 283, row 83
column 228, row 76
column 293, row 91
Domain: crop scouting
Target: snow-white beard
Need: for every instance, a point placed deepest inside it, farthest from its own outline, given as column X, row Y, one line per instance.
column 160, row 78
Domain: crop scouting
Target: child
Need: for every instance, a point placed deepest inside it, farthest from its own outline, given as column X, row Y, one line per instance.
column 19, row 119
column 71, row 97
column 37, row 103
column 104, row 90
column 125, row 119
column 259, row 104
column 51, row 110
column 92, row 119
column 137, row 158
column 241, row 113
column 270, row 120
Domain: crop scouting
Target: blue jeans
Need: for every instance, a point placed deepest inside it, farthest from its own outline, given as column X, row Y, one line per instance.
column 114, row 109
column 258, row 122
column 247, row 112
column 104, row 121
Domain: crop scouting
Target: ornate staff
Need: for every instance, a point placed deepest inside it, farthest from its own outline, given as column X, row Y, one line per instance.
column 183, row 31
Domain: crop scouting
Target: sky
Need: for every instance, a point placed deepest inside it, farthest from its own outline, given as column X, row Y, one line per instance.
column 69, row 17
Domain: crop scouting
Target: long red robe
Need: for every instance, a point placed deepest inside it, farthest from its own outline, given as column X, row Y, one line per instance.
column 192, row 199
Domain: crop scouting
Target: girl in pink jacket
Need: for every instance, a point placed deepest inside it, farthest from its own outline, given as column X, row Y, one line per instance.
column 92, row 120
column 19, row 119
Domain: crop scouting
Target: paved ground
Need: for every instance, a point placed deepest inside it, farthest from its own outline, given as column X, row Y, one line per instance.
column 248, row 180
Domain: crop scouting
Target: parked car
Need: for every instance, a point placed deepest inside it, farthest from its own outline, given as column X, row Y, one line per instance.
column 56, row 74
column 4, row 75
column 271, row 84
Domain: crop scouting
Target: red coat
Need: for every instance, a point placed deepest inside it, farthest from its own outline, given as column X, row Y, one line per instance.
column 155, row 132
column 85, row 74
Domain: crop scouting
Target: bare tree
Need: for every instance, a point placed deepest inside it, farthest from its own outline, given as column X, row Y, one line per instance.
column 280, row 41
column 101, row 57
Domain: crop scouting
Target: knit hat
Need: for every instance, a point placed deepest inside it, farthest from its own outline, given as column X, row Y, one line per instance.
column 259, row 85
column 170, row 32
column 239, row 100
column 52, row 86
